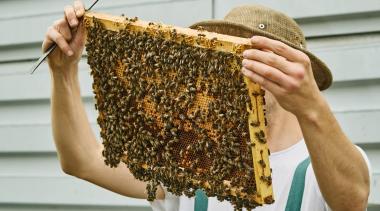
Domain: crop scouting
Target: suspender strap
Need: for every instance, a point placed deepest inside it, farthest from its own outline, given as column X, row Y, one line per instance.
column 201, row 201
column 298, row 184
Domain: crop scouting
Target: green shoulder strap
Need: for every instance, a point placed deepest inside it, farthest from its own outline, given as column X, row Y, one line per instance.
column 201, row 201
column 298, row 184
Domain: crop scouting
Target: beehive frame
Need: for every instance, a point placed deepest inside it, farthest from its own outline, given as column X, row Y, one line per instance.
column 217, row 42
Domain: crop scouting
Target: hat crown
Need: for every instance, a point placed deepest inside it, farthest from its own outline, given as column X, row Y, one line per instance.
column 249, row 20
column 268, row 20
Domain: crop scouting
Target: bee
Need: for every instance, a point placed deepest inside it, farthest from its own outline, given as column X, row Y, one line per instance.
column 134, row 19
column 260, row 136
column 262, row 163
column 200, row 28
column 255, row 123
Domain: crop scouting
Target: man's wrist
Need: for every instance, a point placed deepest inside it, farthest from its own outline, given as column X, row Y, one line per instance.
column 65, row 74
column 65, row 81
column 313, row 113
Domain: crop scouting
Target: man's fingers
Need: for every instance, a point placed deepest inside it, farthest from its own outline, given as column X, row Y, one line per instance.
column 79, row 8
column 271, row 73
column 46, row 44
column 267, row 84
column 278, row 48
column 266, row 71
column 269, row 58
column 78, row 40
column 58, row 38
column 63, row 27
column 71, row 17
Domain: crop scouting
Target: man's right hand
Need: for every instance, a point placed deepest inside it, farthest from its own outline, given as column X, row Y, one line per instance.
column 68, row 34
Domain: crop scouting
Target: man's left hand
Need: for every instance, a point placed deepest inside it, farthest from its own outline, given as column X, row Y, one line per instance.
column 284, row 71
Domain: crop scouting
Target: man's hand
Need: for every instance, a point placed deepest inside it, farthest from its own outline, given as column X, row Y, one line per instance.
column 339, row 167
column 68, row 34
column 284, row 71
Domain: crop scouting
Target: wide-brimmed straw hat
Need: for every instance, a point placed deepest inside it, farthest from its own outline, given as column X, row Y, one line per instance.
column 249, row 20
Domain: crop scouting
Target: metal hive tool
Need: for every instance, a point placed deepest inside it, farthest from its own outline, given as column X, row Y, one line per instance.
column 174, row 107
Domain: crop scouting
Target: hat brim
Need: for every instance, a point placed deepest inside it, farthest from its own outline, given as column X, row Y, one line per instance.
column 322, row 73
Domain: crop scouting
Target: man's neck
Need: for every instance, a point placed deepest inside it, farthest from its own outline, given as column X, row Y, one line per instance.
column 283, row 130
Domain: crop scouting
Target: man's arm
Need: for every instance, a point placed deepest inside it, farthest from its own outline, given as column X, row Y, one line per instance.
column 78, row 151
column 340, row 169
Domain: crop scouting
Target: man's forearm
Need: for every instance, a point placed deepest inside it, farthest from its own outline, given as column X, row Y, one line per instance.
column 78, row 150
column 71, row 130
column 339, row 167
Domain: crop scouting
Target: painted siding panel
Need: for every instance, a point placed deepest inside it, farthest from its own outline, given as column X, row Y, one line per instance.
column 30, row 164
column 44, row 207
column 351, row 57
column 54, row 189
column 344, row 33
column 35, row 138
column 36, row 86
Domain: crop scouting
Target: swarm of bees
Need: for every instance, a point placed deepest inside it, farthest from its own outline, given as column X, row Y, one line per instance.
column 178, row 113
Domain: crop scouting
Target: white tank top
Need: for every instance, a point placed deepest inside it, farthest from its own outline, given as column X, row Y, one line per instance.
column 283, row 164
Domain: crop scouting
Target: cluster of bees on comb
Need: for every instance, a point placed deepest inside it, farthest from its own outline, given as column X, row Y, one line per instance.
column 175, row 113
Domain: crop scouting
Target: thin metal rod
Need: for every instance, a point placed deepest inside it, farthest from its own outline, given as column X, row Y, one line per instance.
column 51, row 48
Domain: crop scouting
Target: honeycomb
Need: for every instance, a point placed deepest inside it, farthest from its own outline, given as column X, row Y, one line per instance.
column 174, row 107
